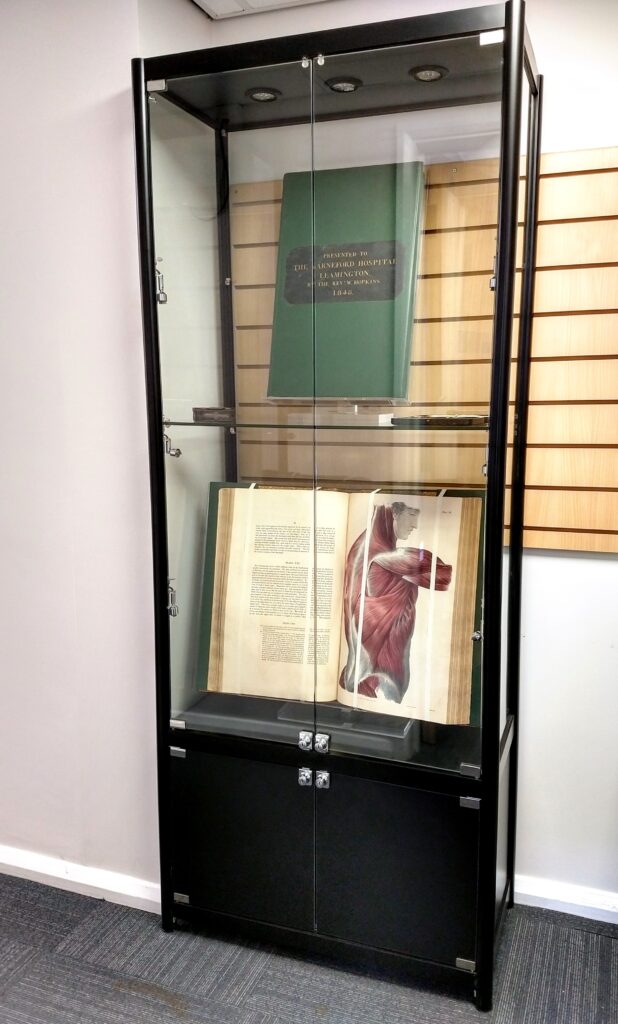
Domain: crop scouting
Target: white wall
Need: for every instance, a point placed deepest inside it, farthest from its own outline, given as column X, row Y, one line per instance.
column 77, row 758
column 77, row 744
column 568, row 816
column 171, row 26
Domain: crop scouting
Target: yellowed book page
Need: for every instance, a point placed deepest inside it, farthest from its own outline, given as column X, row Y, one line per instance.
column 464, row 609
column 268, row 642
column 225, row 518
column 410, row 594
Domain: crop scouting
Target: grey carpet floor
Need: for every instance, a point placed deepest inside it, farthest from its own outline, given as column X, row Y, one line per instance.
column 67, row 959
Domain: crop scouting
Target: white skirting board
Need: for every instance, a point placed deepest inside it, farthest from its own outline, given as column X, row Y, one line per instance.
column 97, row 882
column 596, row 904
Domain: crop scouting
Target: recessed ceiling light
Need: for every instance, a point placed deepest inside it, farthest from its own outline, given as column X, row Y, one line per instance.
column 429, row 73
column 263, row 94
column 344, row 84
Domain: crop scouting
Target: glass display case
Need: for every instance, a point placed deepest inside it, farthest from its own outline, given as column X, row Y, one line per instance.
column 337, row 240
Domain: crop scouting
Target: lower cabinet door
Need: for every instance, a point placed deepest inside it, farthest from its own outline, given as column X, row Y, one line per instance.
column 396, row 868
column 243, row 838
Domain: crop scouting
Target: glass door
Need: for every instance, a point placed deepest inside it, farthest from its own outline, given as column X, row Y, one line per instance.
column 406, row 167
column 325, row 237
column 239, row 480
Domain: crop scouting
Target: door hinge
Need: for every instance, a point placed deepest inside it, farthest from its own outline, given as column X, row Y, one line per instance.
column 465, row 965
column 473, row 802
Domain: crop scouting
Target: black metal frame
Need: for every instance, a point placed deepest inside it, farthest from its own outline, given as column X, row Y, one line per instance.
column 157, row 469
column 496, row 750
column 225, row 294
column 496, row 478
column 535, row 82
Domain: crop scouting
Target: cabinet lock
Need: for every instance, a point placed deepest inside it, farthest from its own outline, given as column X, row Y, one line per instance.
column 305, row 740
column 321, row 742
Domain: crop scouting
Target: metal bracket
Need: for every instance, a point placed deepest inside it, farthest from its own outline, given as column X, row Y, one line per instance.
column 322, row 780
column 177, row 723
column 492, row 279
column 321, row 742
column 160, row 292
column 305, row 777
column 473, row 771
column 174, row 452
column 466, row 965
column 178, row 752
column 172, row 607
column 156, row 85
column 477, row 635
column 473, row 802
column 181, row 897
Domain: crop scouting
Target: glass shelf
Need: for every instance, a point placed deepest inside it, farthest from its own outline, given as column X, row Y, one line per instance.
column 339, row 420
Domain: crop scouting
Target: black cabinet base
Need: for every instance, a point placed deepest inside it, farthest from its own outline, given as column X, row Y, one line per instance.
column 347, row 955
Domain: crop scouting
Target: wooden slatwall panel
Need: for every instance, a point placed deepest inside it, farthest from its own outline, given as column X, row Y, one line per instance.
column 572, row 475
column 572, row 468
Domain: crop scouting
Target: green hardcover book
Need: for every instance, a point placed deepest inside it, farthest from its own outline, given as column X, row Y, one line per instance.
column 347, row 268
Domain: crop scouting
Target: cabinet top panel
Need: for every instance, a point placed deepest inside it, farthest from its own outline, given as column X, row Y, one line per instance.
column 420, row 76
column 434, row 31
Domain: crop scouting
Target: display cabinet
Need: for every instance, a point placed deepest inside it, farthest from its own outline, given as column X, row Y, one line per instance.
column 337, row 243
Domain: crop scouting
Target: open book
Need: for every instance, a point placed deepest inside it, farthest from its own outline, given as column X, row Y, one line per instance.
column 369, row 600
